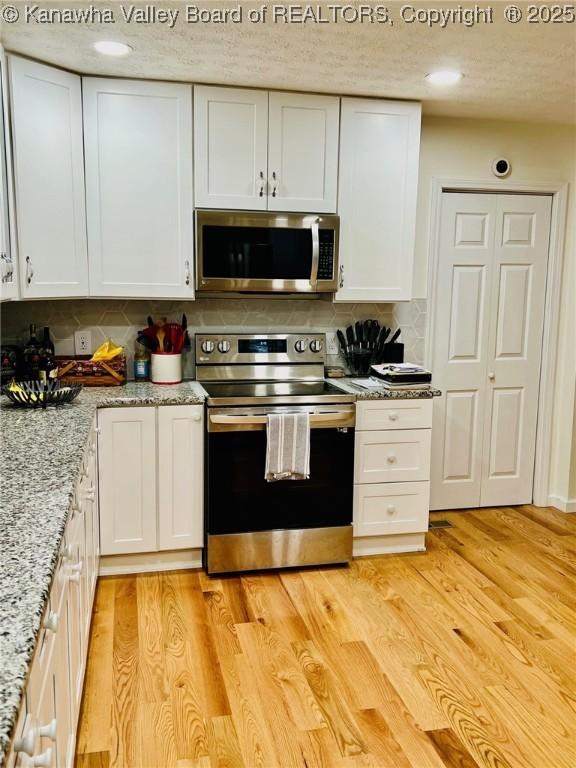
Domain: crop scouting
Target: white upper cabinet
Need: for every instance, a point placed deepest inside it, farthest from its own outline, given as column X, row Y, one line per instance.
column 378, row 179
column 303, row 152
column 8, row 277
column 259, row 151
column 230, row 148
column 49, row 180
column 138, row 144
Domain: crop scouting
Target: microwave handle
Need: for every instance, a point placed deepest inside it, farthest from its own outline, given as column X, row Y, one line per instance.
column 315, row 253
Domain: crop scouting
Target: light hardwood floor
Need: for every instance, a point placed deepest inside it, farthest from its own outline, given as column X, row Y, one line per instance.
column 460, row 656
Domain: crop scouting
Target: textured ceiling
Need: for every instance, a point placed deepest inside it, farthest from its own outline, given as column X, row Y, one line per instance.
column 512, row 71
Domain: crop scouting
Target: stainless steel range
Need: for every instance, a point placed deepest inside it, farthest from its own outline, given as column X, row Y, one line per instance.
column 251, row 524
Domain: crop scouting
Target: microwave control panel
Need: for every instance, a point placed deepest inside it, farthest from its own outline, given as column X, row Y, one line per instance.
column 326, row 255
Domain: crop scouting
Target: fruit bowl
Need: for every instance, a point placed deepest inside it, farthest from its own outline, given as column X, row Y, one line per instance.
column 34, row 394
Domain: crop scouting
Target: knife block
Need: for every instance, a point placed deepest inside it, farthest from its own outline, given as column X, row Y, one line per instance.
column 393, row 353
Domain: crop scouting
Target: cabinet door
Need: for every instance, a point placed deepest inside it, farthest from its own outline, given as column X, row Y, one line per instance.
column 8, row 277
column 230, row 148
column 180, row 476
column 127, row 478
column 303, row 152
column 62, row 689
column 138, row 138
column 377, row 186
column 49, row 180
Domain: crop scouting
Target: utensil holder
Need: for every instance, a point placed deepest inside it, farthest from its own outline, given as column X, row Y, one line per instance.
column 393, row 353
column 166, row 369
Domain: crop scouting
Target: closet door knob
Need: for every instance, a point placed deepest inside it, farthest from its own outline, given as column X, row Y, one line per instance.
column 391, row 459
column 491, row 375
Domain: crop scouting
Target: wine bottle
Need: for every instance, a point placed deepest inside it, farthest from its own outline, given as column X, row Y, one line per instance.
column 32, row 352
column 48, row 369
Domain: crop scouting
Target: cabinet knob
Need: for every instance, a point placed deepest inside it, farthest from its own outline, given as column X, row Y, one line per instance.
column 390, row 509
column 49, row 730
column 27, row 742
column 393, row 416
column 197, row 417
column 391, row 459
column 90, row 494
column 68, row 552
column 51, row 621
column 44, row 760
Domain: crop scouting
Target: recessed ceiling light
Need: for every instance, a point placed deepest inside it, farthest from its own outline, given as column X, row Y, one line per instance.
column 112, row 48
column 444, row 77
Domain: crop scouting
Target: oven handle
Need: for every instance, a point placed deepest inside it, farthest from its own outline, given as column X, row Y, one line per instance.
column 219, row 422
column 315, row 252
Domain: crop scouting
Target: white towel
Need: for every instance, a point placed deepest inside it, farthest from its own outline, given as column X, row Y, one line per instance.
column 288, row 447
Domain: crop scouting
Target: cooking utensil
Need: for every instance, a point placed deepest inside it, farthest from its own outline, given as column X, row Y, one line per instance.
column 342, row 340
column 393, row 339
column 359, row 332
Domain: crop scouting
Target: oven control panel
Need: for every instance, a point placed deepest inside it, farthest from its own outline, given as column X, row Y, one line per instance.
column 230, row 349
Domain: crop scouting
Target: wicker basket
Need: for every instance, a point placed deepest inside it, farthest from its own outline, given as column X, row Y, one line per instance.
column 92, row 373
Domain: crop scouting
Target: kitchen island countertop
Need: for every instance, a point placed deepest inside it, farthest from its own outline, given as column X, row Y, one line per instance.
column 40, row 457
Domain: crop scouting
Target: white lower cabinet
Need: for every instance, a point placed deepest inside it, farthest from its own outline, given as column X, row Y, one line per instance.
column 150, row 478
column 45, row 733
column 391, row 475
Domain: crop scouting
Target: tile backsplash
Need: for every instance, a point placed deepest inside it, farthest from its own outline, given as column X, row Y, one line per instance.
column 120, row 319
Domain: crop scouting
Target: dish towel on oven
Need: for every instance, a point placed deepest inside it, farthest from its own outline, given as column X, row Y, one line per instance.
column 288, row 447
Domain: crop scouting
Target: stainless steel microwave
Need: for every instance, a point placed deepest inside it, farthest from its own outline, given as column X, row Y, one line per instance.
column 245, row 251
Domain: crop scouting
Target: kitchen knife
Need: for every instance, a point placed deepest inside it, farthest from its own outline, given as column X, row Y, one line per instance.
column 350, row 336
column 359, row 333
column 342, row 341
column 367, row 333
column 384, row 333
column 393, row 339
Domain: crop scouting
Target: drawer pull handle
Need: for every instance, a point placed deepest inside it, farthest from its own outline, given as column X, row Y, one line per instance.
column 49, row 730
column 391, row 459
column 27, row 742
column 43, row 760
column 51, row 621
column 390, row 509
column 393, row 416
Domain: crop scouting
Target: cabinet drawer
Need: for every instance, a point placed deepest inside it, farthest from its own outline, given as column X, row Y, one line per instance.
column 394, row 414
column 392, row 456
column 391, row 508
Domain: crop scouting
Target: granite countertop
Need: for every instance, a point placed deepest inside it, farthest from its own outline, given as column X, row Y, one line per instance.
column 346, row 384
column 40, row 456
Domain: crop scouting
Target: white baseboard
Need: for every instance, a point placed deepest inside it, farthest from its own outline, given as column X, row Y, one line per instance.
column 389, row 545
column 150, row 562
column 564, row 505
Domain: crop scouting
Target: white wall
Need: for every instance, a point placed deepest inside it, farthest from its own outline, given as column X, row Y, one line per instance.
column 464, row 149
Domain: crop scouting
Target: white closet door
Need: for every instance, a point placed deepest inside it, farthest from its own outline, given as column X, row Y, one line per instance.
column 303, row 152
column 230, row 148
column 49, row 180
column 486, row 347
column 139, row 188
column 515, row 344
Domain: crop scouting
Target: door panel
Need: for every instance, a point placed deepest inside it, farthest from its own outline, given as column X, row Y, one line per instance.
column 390, row 508
column 180, row 476
column 460, row 348
column 127, row 476
column 302, row 152
column 49, row 180
column 487, row 347
column 139, row 188
column 515, row 345
column 230, row 148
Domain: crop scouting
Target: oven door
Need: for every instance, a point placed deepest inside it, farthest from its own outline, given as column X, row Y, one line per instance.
column 253, row 524
column 265, row 252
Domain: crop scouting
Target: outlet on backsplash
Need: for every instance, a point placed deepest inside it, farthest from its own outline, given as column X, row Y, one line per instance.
column 83, row 342
column 332, row 347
